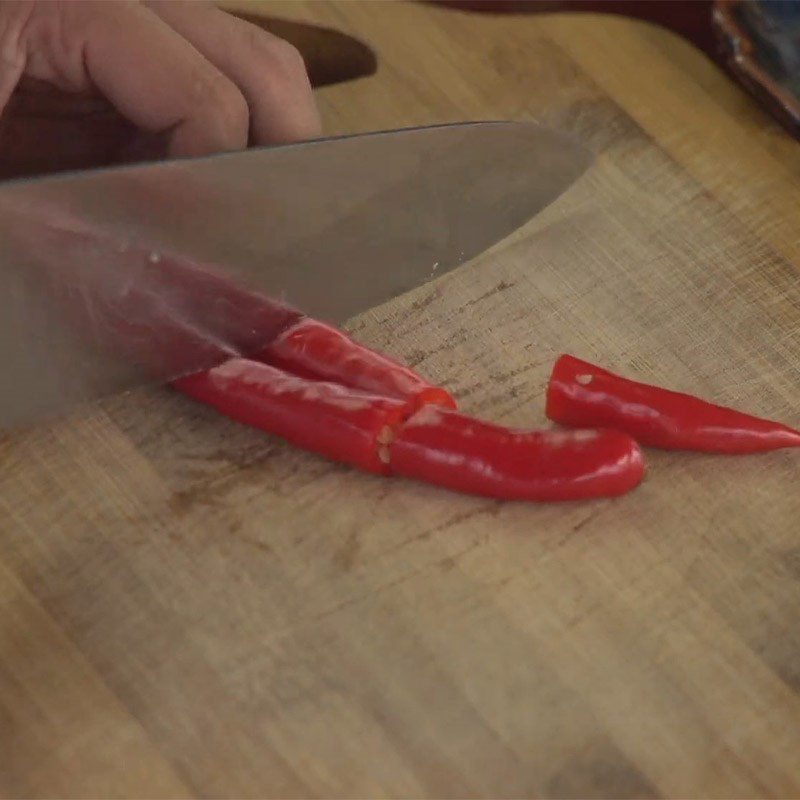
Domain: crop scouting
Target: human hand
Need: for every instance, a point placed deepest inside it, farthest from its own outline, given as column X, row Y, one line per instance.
column 86, row 83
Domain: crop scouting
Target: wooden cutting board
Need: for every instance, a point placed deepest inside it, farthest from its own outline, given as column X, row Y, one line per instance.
column 190, row 608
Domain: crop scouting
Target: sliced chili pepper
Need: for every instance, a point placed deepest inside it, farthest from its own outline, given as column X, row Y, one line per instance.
column 581, row 395
column 436, row 445
column 159, row 310
column 316, row 350
column 147, row 319
column 234, row 312
column 448, row 449
column 334, row 421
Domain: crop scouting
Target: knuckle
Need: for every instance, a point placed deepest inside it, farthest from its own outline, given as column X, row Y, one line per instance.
column 224, row 109
column 282, row 60
column 288, row 58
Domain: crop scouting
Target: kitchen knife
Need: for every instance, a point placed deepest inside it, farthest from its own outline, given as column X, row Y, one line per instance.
column 117, row 277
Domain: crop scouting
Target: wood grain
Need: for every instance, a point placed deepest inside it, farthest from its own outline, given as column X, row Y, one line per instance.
column 190, row 608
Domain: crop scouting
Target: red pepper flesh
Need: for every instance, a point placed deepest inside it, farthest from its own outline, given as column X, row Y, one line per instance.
column 315, row 350
column 582, row 395
column 334, row 421
column 446, row 448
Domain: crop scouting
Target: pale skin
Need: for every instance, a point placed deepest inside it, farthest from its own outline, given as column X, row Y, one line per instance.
column 186, row 74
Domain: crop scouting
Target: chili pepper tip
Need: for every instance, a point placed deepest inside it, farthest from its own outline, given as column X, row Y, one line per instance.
column 583, row 395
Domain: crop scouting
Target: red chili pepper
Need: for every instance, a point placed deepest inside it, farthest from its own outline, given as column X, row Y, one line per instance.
column 147, row 320
column 437, row 445
column 316, row 350
column 232, row 311
column 158, row 310
column 582, row 395
column 448, row 449
column 334, row 421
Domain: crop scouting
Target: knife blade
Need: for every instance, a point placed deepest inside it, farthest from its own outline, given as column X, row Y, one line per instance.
column 114, row 278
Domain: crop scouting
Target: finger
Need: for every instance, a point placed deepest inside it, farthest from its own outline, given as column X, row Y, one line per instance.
column 13, row 18
column 154, row 77
column 269, row 71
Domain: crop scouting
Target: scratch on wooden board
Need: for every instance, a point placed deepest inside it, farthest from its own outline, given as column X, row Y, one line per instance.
column 429, row 298
column 346, row 556
column 491, row 509
column 589, row 518
column 503, row 377
column 499, row 289
column 414, row 358
column 335, row 609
